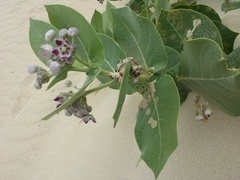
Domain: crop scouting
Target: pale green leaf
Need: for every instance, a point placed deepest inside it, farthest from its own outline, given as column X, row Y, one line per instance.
column 139, row 38
column 156, row 126
column 89, row 48
column 204, row 70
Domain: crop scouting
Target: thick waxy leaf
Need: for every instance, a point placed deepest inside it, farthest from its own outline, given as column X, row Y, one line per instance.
column 156, row 126
column 37, row 36
column 108, row 19
column 228, row 37
column 233, row 59
column 203, row 70
column 90, row 48
column 97, row 22
column 173, row 26
column 139, row 38
column 113, row 55
column 91, row 76
column 230, row 6
column 122, row 94
column 204, row 9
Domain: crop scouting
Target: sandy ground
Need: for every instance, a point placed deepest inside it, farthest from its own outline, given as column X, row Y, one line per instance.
column 61, row 148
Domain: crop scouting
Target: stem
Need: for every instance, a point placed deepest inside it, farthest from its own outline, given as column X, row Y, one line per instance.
column 81, row 69
column 81, row 61
column 99, row 87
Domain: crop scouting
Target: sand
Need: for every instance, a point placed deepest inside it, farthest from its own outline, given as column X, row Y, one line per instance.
column 61, row 148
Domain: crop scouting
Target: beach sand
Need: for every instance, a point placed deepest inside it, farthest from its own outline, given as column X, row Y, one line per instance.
column 62, row 148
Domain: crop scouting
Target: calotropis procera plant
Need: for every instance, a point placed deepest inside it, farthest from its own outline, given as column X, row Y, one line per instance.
column 160, row 50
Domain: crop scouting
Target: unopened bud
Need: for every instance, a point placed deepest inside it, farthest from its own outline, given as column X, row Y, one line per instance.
column 37, row 85
column 55, row 67
column 50, row 35
column 32, row 68
column 73, row 31
column 67, row 83
column 67, row 112
column 63, row 32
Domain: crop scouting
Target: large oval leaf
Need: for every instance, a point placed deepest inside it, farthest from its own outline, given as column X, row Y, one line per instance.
column 156, row 127
column 203, row 69
column 36, row 36
column 139, row 38
column 174, row 24
column 90, row 48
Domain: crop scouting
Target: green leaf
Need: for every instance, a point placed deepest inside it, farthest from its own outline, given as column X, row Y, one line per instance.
column 122, row 94
column 97, row 22
column 230, row 6
column 203, row 9
column 91, row 76
column 37, row 36
column 139, row 38
column 90, row 48
column 113, row 55
column 108, row 19
column 233, row 59
column 173, row 26
column 156, row 126
column 228, row 37
column 203, row 69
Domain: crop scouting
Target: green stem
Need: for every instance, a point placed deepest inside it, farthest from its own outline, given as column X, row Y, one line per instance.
column 110, row 83
column 81, row 61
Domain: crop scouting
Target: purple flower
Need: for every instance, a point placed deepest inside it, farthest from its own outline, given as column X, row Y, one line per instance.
column 46, row 51
column 60, row 99
column 64, row 50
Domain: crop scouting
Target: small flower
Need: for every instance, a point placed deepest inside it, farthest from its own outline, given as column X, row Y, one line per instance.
column 32, row 68
column 60, row 99
column 63, row 32
column 199, row 117
column 46, row 51
column 64, row 50
column 73, row 31
column 55, row 67
column 50, row 35
column 88, row 118
column 82, row 112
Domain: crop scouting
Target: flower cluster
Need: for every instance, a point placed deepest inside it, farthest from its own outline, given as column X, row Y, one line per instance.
column 42, row 75
column 79, row 108
column 61, row 55
column 135, row 70
column 203, row 110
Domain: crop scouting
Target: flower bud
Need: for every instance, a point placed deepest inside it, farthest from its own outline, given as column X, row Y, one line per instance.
column 63, row 32
column 32, row 68
column 55, row 67
column 82, row 112
column 73, row 31
column 67, row 112
column 37, row 85
column 208, row 112
column 67, row 83
column 49, row 62
column 50, row 35
column 89, row 108
column 199, row 117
